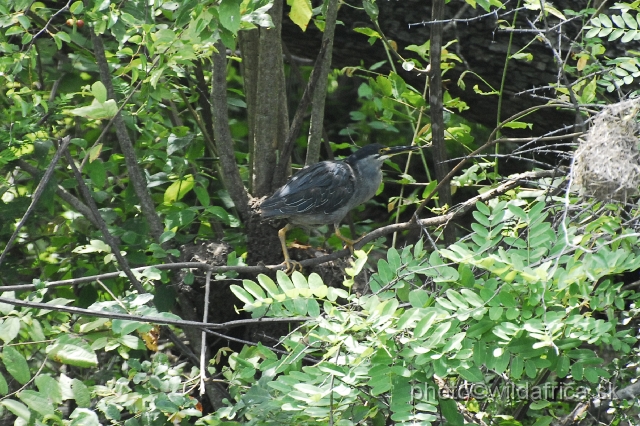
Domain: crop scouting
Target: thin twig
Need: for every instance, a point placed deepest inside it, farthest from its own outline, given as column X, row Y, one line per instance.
column 203, row 340
column 64, row 142
column 106, row 235
column 148, row 319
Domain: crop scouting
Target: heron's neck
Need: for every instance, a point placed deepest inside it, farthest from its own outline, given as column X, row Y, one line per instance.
column 368, row 180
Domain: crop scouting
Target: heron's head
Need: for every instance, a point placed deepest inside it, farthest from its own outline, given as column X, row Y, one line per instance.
column 375, row 154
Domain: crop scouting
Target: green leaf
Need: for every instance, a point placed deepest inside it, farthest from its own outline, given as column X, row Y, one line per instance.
column 254, row 289
column 203, row 197
column 72, row 350
column 37, row 402
column 17, row 408
column 605, row 21
column 97, row 110
column 94, row 152
column 457, row 299
column 478, row 329
column 518, row 125
column 16, row 364
column 9, row 329
column 175, row 143
column 371, row 8
column 124, row 327
column 630, row 21
column 97, row 173
column 517, row 367
column 242, row 294
column 425, row 323
column 166, row 236
column 4, row 387
column 86, row 417
column 220, row 213
column 419, row 298
column 77, row 7
column 399, row 86
column 317, row 286
column 472, row 298
column 299, row 281
column 437, row 335
column 539, row 405
column 178, row 189
column 450, row 412
column 527, row 57
column 563, row 366
column 50, row 387
column 229, row 13
column 260, row 16
column 367, row 31
column 301, row 12
column 81, row 393
column 431, row 186
column 268, row 284
column 313, row 308
column 507, row 299
column 543, row 421
column 61, row 35
column 99, row 91
column 472, row 374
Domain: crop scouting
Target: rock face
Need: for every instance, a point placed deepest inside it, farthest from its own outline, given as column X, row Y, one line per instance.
column 481, row 45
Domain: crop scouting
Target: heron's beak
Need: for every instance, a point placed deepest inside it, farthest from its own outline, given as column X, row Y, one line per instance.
column 399, row 150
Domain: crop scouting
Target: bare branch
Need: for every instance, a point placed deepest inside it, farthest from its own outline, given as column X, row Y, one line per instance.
column 280, row 174
column 490, row 142
column 106, row 235
column 64, row 142
column 135, row 174
column 316, row 123
column 436, row 108
column 151, row 320
column 65, row 195
column 224, row 142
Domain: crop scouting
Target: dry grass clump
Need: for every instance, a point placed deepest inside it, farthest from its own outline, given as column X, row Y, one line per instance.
column 607, row 162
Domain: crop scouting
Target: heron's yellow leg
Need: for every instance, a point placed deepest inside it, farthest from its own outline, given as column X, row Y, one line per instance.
column 291, row 265
column 349, row 242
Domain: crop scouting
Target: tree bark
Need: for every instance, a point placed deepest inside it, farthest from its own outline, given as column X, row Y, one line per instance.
column 316, row 123
column 271, row 117
column 224, row 142
column 439, row 148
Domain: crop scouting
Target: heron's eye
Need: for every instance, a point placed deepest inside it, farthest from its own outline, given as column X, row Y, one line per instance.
column 383, row 150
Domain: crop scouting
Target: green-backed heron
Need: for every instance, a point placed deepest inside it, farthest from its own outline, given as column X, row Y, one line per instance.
column 325, row 192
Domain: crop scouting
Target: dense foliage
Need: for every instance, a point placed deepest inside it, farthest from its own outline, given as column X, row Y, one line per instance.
column 132, row 132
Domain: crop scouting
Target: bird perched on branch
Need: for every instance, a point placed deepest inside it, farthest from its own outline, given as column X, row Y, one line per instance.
column 325, row 192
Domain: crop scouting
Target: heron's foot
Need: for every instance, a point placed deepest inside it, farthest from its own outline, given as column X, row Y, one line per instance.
column 349, row 244
column 291, row 266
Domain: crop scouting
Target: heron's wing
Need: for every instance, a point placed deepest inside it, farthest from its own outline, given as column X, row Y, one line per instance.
column 321, row 188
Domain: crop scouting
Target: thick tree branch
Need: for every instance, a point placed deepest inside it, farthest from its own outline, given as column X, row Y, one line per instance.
column 271, row 119
column 224, row 142
column 280, row 174
column 439, row 147
column 316, row 123
column 135, row 174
